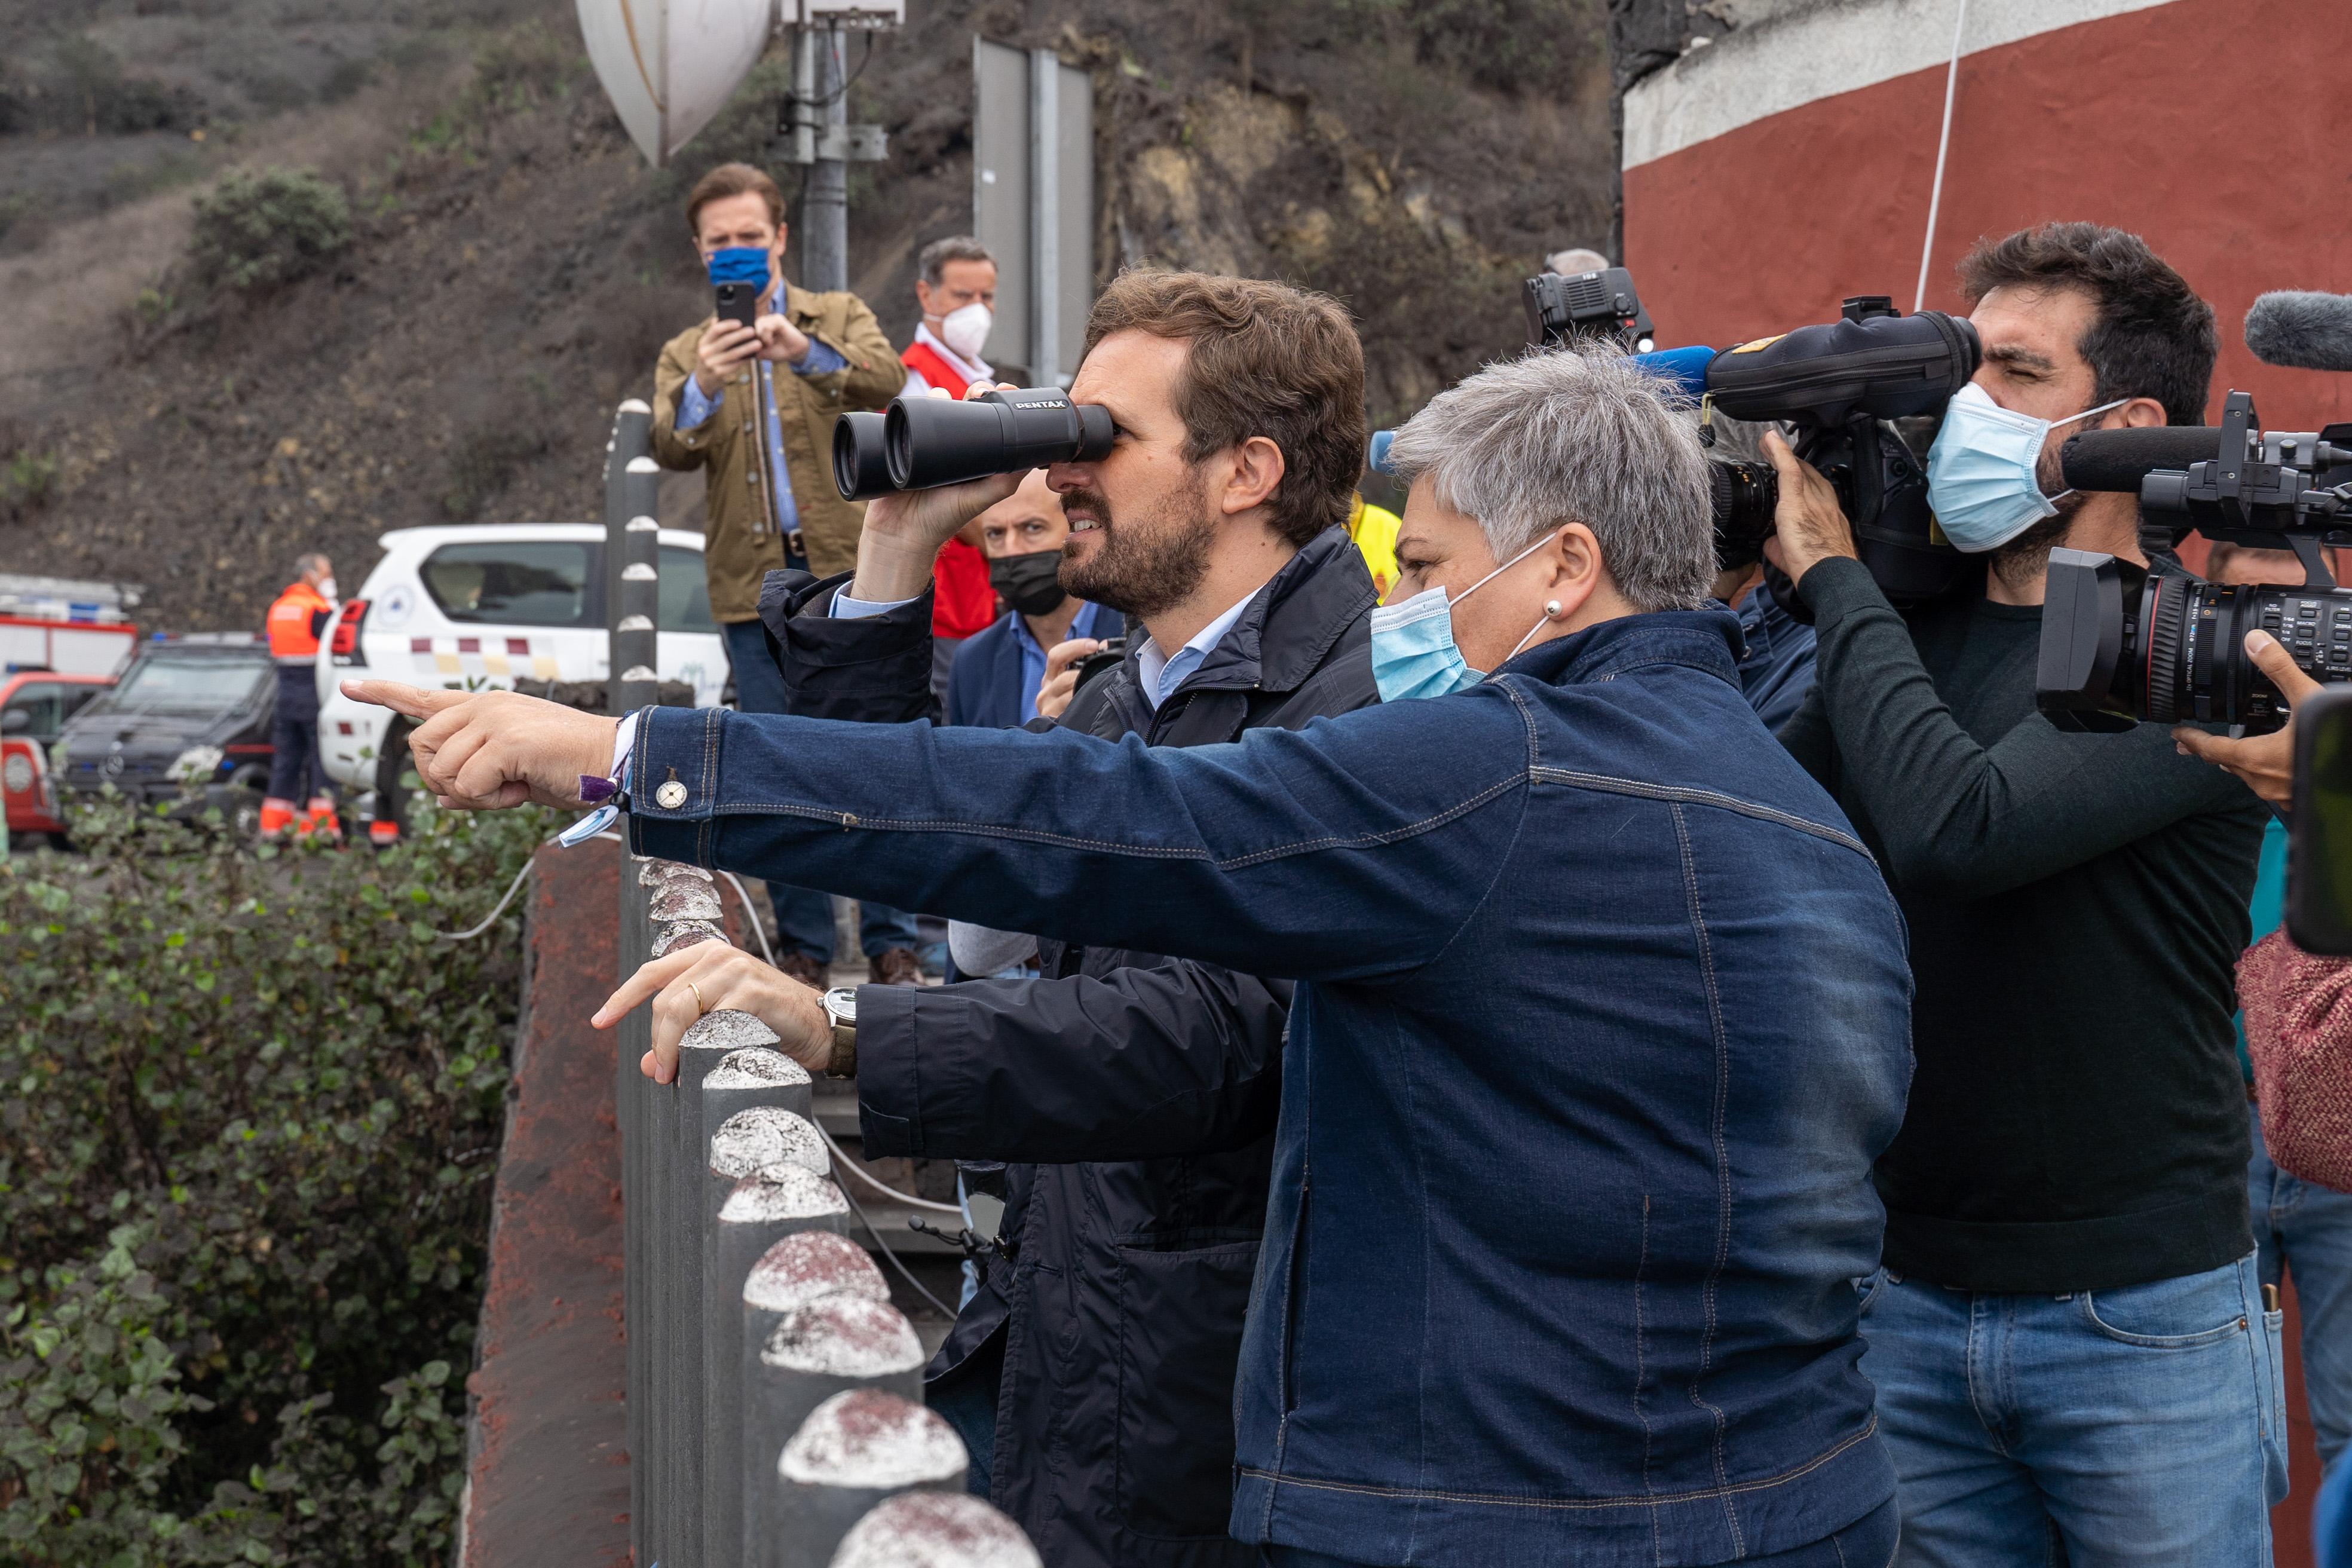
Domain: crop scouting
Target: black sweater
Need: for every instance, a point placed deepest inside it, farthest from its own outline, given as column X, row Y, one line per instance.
column 2076, row 904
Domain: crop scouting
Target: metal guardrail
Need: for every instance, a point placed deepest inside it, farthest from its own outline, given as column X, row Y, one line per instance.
column 774, row 1413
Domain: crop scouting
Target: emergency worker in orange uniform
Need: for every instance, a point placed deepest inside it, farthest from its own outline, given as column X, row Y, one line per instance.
column 298, row 619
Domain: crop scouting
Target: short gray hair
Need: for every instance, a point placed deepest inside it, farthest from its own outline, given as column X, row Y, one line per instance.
column 1572, row 436
column 1569, row 263
column 932, row 264
column 309, row 561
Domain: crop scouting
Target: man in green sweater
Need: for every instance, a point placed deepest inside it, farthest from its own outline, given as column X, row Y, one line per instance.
column 2068, row 1336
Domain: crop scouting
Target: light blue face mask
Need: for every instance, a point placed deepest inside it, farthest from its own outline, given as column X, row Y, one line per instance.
column 1413, row 642
column 1981, row 478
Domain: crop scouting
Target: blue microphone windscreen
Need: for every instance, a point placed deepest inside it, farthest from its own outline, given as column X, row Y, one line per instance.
column 1683, row 369
column 1379, row 455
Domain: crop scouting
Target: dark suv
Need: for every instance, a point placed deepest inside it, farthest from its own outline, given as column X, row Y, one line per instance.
column 187, row 723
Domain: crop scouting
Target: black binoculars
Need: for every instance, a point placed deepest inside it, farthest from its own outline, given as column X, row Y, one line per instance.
column 922, row 442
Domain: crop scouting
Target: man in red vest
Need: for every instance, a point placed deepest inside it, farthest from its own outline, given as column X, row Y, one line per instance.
column 955, row 284
column 298, row 618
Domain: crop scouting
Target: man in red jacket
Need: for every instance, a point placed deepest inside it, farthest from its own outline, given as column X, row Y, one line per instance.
column 955, row 284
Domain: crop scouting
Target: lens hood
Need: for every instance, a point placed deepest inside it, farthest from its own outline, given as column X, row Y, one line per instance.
column 941, row 441
column 861, row 463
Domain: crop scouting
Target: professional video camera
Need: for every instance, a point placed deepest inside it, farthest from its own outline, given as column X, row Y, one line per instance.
column 2121, row 643
column 1842, row 384
column 922, row 442
column 1578, row 308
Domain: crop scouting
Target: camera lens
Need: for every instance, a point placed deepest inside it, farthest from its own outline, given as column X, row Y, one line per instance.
column 940, row 441
column 1744, row 496
column 2197, row 667
column 2171, row 648
column 861, row 460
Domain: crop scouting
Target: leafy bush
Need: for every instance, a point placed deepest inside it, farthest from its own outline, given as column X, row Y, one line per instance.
column 91, row 95
column 249, row 1111
column 255, row 232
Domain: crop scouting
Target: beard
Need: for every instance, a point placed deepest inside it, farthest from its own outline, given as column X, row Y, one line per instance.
column 2026, row 557
column 1146, row 565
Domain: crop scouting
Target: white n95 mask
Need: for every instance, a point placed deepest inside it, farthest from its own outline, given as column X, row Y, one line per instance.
column 965, row 330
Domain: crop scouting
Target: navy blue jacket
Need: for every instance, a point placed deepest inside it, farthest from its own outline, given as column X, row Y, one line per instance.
column 1603, row 1017
column 985, row 685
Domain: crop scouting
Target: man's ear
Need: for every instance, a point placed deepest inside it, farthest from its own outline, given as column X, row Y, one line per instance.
column 2142, row 413
column 1257, row 470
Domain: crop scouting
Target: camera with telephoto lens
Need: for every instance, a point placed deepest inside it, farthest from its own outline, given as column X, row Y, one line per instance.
column 1580, row 308
column 2122, row 642
column 922, row 442
column 1843, row 384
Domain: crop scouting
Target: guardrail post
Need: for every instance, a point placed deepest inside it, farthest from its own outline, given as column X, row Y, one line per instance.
column 935, row 1529
column 854, row 1451
column 792, row 1273
column 631, row 442
column 734, row 1239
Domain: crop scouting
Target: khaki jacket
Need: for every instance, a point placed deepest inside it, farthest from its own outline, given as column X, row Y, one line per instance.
column 741, row 546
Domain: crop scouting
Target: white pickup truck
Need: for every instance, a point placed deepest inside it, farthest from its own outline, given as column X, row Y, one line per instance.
column 479, row 605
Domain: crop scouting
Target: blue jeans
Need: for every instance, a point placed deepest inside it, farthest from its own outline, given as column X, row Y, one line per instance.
column 2139, row 1426
column 2305, row 1230
column 1867, row 1542
column 804, row 915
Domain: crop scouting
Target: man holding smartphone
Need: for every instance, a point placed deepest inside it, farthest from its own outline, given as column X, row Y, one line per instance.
column 750, row 395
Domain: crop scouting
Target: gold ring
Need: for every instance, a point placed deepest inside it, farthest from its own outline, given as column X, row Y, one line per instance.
column 700, row 1006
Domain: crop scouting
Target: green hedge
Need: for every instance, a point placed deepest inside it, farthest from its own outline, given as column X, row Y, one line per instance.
column 249, row 1116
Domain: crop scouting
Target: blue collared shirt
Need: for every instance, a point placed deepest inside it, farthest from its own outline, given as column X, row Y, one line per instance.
column 1091, row 621
column 1158, row 675
column 693, row 408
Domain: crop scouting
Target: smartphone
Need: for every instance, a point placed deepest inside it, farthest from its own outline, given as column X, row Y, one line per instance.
column 1102, row 659
column 738, row 302
column 2319, row 838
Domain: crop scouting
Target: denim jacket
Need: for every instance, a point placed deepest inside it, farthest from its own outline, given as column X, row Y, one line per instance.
column 1603, row 1017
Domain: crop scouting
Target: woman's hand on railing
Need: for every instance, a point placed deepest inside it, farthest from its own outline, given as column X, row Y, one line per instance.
column 710, row 975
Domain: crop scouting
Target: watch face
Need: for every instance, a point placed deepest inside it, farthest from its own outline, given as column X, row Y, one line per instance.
column 841, row 1005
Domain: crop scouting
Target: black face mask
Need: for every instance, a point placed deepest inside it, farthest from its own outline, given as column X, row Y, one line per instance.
column 1027, row 582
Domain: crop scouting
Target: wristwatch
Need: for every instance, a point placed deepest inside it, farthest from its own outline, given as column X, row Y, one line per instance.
column 840, row 1006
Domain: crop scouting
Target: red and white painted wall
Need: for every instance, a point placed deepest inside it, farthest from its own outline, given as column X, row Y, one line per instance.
column 1788, row 163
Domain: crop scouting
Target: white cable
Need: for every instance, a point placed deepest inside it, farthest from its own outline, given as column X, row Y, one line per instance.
column 860, row 1173
column 751, row 917
column 490, row 919
column 1943, row 145
column 893, row 1257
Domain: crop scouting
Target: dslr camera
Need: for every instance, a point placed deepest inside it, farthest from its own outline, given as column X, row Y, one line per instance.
column 2122, row 642
column 1842, row 385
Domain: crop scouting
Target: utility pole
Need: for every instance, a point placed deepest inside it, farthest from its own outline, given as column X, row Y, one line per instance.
column 816, row 129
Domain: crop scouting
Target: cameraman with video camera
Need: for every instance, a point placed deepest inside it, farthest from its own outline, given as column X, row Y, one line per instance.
column 2067, row 1334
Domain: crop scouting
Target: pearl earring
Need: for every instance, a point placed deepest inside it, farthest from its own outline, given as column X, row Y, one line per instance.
column 1551, row 608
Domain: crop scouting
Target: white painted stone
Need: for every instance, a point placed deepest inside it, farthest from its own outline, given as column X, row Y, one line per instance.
column 935, row 1529
column 871, row 1439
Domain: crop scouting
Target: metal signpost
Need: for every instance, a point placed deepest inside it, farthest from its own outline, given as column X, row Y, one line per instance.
column 1033, row 201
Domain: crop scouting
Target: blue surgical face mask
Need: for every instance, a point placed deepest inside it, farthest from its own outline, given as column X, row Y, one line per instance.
column 739, row 264
column 1413, row 642
column 1981, row 480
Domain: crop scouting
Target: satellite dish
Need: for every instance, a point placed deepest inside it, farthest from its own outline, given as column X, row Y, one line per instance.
column 669, row 66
